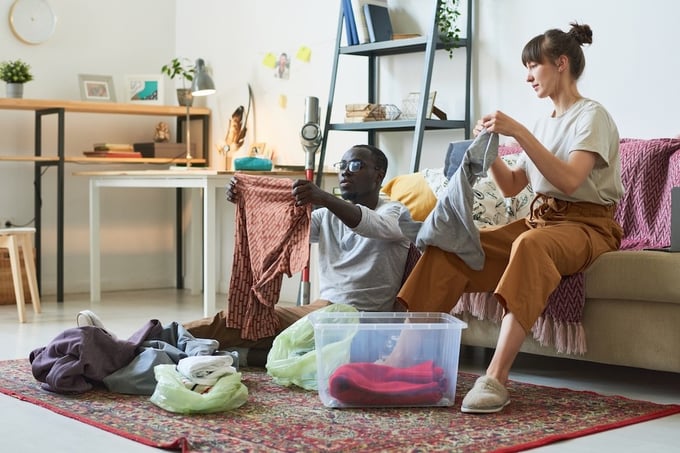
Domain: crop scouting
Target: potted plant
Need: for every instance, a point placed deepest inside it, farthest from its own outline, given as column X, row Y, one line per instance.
column 184, row 69
column 447, row 15
column 15, row 73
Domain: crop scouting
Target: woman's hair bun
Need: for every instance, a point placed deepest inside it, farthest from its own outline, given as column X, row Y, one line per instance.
column 581, row 33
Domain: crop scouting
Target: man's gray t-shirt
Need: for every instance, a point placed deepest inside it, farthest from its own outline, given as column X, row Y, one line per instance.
column 362, row 266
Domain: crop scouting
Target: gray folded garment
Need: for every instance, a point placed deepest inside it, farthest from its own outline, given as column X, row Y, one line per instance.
column 450, row 226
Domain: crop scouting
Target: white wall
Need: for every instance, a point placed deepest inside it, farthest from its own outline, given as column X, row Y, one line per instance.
column 630, row 68
column 110, row 38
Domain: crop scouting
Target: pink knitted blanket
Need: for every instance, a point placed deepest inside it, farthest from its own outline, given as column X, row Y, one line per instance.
column 649, row 169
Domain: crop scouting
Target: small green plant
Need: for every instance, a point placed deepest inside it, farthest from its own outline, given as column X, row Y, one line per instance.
column 182, row 68
column 15, row 71
column 447, row 15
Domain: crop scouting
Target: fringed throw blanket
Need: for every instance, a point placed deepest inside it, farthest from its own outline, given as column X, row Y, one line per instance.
column 559, row 325
column 649, row 169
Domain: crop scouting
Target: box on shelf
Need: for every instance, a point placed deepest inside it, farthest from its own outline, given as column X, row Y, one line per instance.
column 386, row 359
column 166, row 150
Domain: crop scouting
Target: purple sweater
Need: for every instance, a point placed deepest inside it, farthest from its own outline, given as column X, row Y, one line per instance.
column 79, row 357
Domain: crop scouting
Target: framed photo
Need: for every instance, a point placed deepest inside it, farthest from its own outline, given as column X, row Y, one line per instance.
column 411, row 104
column 97, row 88
column 144, row 89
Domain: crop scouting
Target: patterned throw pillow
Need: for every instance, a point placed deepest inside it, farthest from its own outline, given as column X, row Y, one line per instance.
column 419, row 192
column 518, row 206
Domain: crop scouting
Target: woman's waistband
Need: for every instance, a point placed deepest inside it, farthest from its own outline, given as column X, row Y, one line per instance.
column 550, row 206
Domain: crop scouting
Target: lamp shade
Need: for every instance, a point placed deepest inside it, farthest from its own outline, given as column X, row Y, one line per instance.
column 203, row 84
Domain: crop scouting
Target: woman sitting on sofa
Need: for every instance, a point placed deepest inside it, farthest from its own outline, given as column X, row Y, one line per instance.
column 571, row 159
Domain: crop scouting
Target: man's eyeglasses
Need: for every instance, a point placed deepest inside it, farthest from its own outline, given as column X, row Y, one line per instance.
column 353, row 165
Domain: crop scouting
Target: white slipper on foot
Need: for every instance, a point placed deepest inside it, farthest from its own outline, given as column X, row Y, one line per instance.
column 486, row 397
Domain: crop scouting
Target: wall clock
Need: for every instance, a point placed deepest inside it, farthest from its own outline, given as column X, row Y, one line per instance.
column 32, row 21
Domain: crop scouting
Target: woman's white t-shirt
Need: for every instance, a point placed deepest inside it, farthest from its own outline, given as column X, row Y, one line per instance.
column 585, row 126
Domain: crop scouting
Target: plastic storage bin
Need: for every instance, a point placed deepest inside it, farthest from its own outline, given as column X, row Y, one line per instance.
column 386, row 359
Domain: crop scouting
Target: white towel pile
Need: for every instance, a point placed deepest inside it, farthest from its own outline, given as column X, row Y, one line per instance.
column 201, row 372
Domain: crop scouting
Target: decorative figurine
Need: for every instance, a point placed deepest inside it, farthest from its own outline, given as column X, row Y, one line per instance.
column 162, row 133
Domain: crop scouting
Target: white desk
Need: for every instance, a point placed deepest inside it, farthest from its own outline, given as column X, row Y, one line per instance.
column 207, row 180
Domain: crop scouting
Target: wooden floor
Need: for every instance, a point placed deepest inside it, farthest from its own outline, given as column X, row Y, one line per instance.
column 28, row 428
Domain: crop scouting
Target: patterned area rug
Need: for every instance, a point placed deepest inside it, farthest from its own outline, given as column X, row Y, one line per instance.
column 278, row 419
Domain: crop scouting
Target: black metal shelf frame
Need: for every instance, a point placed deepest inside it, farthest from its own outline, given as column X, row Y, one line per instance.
column 428, row 45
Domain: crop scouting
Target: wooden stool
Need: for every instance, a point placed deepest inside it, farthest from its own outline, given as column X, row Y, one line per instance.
column 15, row 239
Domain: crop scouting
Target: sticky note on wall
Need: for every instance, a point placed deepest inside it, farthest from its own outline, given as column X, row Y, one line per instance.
column 269, row 60
column 304, row 53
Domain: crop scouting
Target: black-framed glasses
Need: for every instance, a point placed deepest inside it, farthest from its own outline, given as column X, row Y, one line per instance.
column 353, row 165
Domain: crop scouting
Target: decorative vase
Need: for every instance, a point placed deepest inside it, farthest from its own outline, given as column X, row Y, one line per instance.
column 15, row 90
column 184, row 97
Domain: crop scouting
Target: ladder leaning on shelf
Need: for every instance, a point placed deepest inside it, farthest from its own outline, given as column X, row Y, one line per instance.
column 373, row 51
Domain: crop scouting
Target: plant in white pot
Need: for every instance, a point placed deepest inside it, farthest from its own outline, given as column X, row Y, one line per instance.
column 15, row 73
column 184, row 69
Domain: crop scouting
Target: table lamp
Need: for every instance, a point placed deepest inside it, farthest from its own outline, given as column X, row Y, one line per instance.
column 202, row 85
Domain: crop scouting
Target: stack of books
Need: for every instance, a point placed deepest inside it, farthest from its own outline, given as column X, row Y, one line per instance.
column 358, row 113
column 112, row 150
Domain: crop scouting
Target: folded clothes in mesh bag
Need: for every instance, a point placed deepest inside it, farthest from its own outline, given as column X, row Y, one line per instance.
column 292, row 358
column 172, row 395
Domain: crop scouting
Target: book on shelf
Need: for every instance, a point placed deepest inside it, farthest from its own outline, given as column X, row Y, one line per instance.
column 360, row 17
column 350, row 25
column 378, row 23
column 113, row 153
column 165, row 150
column 112, row 147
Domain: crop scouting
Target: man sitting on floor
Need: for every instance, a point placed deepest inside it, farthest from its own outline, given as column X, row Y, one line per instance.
column 363, row 250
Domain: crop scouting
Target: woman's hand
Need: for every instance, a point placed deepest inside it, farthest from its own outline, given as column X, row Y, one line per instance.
column 500, row 123
column 479, row 127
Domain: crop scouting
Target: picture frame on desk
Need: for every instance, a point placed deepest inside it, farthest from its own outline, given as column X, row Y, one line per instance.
column 144, row 89
column 96, row 88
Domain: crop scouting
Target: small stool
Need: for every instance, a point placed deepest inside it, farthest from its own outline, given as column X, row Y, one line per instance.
column 15, row 239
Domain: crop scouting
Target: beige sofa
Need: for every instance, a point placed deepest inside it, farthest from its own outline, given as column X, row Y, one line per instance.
column 631, row 315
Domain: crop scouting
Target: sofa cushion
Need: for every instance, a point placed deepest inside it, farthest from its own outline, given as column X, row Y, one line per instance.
column 419, row 191
column 634, row 275
column 414, row 192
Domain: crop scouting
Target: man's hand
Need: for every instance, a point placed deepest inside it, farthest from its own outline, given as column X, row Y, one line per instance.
column 231, row 190
column 306, row 192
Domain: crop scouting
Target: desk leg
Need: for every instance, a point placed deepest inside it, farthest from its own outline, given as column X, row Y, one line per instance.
column 209, row 255
column 95, row 251
column 195, row 236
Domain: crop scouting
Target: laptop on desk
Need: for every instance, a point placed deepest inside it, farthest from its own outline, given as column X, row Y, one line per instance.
column 675, row 223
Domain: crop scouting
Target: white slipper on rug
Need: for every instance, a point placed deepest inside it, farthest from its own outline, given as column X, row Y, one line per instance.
column 90, row 318
column 486, row 397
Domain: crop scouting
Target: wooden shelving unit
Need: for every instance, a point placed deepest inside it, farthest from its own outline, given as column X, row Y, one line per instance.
column 60, row 108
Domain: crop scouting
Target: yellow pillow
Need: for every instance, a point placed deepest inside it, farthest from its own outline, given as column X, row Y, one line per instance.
column 414, row 192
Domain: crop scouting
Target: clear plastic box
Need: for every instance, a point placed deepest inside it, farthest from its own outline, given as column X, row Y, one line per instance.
column 386, row 359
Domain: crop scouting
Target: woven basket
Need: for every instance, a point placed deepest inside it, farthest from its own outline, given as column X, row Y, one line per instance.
column 6, row 284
